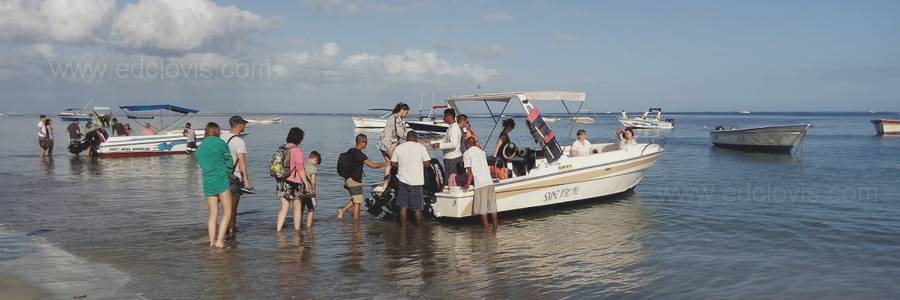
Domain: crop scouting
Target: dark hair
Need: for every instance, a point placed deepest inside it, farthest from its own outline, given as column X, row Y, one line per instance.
column 450, row 112
column 315, row 154
column 360, row 137
column 295, row 136
column 463, row 116
column 509, row 123
column 211, row 129
column 580, row 132
column 400, row 106
column 42, row 116
column 188, row 124
column 117, row 120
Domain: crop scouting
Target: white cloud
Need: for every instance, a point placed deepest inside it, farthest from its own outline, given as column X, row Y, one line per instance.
column 497, row 17
column 59, row 21
column 492, row 51
column 565, row 37
column 182, row 26
column 413, row 65
column 347, row 7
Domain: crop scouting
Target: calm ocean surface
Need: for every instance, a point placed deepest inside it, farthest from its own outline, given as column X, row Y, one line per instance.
column 704, row 223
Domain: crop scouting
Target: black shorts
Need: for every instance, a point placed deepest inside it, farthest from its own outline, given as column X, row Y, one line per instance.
column 308, row 203
column 410, row 196
column 454, row 166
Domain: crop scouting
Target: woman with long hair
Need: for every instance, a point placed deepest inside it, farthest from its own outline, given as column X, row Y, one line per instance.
column 214, row 159
column 291, row 188
column 394, row 131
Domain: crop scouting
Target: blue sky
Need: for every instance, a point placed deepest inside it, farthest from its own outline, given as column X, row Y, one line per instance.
column 349, row 55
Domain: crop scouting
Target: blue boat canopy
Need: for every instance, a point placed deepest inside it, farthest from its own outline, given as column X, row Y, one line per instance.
column 174, row 108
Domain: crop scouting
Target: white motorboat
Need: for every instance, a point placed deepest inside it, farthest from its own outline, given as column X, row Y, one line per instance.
column 264, row 121
column 164, row 143
column 548, row 175
column 72, row 114
column 744, row 112
column 550, row 120
column 429, row 124
column 12, row 114
column 370, row 122
column 646, row 121
column 887, row 126
column 583, row 120
column 776, row 139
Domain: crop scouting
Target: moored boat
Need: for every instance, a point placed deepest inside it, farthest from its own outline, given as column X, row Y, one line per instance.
column 550, row 120
column 583, row 120
column 372, row 122
column 429, row 124
column 547, row 175
column 774, row 139
column 887, row 126
column 264, row 121
column 646, row 121
column 165, row 143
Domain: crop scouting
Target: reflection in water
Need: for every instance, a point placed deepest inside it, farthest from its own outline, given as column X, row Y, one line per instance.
column 755, row 157
column 47, row 165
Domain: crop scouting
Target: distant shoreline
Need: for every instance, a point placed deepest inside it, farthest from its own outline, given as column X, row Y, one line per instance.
column 481, row 114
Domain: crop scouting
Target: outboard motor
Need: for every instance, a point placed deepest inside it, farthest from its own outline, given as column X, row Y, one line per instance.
column 90, row 142
column 386, row 202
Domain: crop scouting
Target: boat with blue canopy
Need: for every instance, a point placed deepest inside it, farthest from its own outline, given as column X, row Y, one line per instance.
column 168, row 140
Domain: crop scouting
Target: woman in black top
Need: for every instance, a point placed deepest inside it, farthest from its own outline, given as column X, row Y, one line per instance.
column 503, row 139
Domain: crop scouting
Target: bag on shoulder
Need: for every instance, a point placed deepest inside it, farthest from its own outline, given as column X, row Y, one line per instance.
column 343, row 164
column 280, row 164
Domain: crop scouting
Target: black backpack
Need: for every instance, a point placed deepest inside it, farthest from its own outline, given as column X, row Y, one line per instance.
column 343, row 163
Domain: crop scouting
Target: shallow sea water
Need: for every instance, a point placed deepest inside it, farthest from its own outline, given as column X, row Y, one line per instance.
column 704, row 223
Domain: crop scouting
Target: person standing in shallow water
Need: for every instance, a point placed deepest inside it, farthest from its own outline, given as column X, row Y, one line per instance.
column 484, row 199
column 394, row 132
column 353, row 184
column 214, row 159
column 291, row 188
column 240, row 183
column 410, row 159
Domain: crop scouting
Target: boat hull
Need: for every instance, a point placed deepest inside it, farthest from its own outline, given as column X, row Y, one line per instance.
column 887, row 127
column 366, row 122
column 582, row 120
column 427, row 127
column 562, row 186
column 646, row 124
column 774, row 139
column 138, row 146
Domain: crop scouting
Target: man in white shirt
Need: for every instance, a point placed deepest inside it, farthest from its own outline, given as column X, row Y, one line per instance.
column 484, row 199
column 450, row 145
column 410, row 159
column 581, row 146
column 240, row 179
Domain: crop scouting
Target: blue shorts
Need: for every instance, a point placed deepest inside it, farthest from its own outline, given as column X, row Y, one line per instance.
column 410, row 196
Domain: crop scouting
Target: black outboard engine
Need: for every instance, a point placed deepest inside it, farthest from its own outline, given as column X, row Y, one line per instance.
column 386, row 202
column 90, row 142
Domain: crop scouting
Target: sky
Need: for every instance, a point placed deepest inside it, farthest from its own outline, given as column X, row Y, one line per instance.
column 345, row 56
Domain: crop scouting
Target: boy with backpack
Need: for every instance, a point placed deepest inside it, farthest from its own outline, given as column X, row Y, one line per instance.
column 288, row 168
column 350, row 167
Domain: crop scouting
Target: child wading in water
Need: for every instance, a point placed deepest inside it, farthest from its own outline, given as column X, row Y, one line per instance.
column 308, row 201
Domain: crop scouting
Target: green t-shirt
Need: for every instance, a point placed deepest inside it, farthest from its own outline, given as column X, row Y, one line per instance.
column 215, row 162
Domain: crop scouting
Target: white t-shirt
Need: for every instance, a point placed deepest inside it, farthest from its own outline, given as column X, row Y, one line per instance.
column 41, row 130
column 236, row 146
column 451, row 142
column 476, row 159
column 582, row 149
column 409, row 157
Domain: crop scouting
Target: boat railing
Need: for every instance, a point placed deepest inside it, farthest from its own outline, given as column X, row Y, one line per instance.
column 659, row 141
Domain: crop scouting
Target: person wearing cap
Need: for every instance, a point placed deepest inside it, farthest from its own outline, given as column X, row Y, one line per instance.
column 240, row 178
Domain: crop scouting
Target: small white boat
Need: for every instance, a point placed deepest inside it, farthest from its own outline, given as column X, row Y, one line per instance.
column 873, row 112
column 887, row 126
column 744, row 112
column 73, row 114
column 550, row 120
column 548, row 175
column 164, row 143
column 645, row 121
column 428, row 124
column 776, row 139
column 583, row 120
column 12, row 114
column 264, row 121
column 370, row 122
